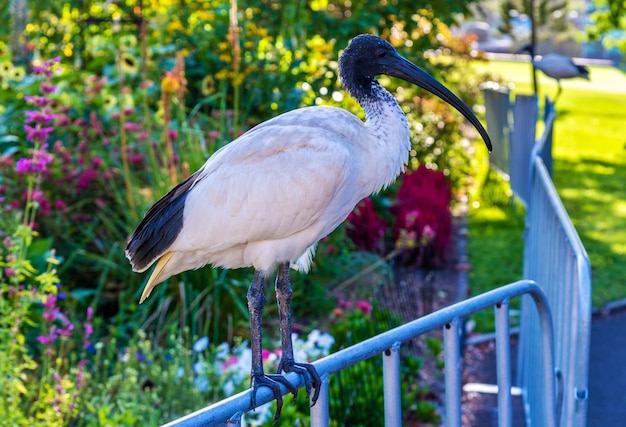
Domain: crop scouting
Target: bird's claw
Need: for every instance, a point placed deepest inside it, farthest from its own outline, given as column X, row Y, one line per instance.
column 273, row 382
column 308, row 372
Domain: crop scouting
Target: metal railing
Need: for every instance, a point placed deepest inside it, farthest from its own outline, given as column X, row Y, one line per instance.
column 555, row 257
column 230, row 411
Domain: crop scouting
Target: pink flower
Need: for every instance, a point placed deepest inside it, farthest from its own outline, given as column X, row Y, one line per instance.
column 365, row 307
column 214, row 134
column 230, row 362
column 132, row 127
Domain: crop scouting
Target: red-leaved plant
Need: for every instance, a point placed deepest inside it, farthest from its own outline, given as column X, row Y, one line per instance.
column 422, row 224
column 366, row 229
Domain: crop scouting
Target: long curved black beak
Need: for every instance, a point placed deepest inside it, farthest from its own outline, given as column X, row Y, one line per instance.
column 397, row 66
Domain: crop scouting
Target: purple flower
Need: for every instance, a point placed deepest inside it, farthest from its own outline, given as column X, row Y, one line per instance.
column 40, row 117
column 24, row 166
column 46, row 68
column 50, row 316
column 42, row 158
column 47, row 88
column 48, row 339
column 39, row 101
column 50, row 302
column 140, row 356
column 37, row 134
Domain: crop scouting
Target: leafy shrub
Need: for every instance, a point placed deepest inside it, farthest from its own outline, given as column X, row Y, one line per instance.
column 423, row 221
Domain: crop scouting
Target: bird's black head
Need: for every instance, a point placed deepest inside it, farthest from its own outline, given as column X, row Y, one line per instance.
column 368, row 56
column 363, row 59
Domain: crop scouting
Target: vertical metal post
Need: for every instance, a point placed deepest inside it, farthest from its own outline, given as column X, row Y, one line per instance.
column 503, row 365
column 391, row 383
column 319, row 413
column 452, row 356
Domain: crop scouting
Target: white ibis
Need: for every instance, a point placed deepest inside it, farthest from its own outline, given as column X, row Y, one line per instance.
column 557, row 67
column 268, row 197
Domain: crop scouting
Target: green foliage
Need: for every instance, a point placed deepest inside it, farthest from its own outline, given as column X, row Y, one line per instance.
column 608, row 22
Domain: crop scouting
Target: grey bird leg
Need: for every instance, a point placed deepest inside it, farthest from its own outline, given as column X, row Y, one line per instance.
column 558, row 92
column 287, row 361
column 256, row 301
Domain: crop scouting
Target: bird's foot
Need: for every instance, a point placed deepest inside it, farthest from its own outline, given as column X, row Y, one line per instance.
column 259, row 379
column 308, row 372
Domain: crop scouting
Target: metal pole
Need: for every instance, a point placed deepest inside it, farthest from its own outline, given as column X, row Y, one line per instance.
column 319, row 412
column 452, row 356
column 391, row 384
column 503, row 365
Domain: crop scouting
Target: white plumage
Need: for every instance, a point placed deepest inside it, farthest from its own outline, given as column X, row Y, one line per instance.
column 272, row 194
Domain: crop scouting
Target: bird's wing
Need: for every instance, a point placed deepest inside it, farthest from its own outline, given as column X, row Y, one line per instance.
column 271, row 183
column 271, row 194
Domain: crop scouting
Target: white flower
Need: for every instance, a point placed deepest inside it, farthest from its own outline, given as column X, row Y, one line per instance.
column 201, row 344
column 229, row 388
column 201, row 383
column 180, row 372
column 259, row 416
column 222, row 351
column 199, row 367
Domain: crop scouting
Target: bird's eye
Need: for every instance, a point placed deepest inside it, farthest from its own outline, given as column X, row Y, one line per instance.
column 381, row 53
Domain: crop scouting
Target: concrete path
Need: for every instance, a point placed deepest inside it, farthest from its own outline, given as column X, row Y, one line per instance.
column 607, row 377
column 607, row 371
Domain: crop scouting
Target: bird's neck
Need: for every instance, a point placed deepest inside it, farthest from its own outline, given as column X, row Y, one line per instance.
column 388, row 125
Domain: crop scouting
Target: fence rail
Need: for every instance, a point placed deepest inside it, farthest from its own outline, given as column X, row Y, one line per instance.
column 553, row 256
column 230, row 411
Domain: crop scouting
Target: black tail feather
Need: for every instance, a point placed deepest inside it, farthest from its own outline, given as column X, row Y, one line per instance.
column 159, row 227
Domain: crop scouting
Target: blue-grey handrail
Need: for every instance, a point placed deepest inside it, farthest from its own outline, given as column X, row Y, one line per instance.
column 232, row 408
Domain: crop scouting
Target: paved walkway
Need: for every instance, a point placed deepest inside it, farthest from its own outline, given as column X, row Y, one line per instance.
column 607, row 377
column 607, row 371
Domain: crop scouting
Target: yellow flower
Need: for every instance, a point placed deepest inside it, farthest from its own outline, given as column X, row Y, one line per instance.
column 207, row 87
column 109, row 102
column 5, row 68
column 17, row 74
column 170, row 83
column 128, row 41
column 130, row 64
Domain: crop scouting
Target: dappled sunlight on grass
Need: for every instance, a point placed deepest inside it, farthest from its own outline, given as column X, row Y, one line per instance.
column 589, row 170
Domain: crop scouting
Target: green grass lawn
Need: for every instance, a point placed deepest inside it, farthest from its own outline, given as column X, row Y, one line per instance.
column 589, row 174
